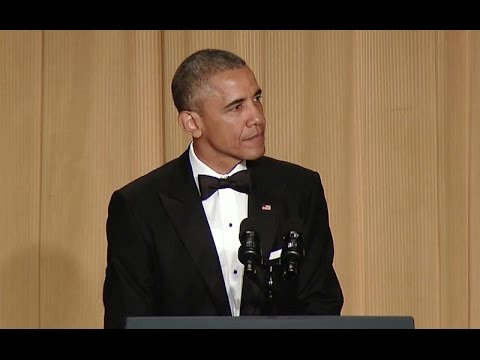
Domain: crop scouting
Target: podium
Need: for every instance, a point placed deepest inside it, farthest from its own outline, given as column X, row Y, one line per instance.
column 271, row 322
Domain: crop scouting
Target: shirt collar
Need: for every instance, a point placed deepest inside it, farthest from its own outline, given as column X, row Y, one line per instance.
column 200, row 168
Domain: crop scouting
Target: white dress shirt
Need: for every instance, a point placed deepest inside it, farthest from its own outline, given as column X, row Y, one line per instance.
column 225, row 210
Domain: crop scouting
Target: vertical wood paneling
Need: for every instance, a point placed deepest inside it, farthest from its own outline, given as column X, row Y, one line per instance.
column 454, row 99
column 357, row 190
column 20, row 151
column 473, row 142
column 400, row 173
column 285, row 92
column 329, row 147
column 102, row 128
column 147, row 81
column 176, row 48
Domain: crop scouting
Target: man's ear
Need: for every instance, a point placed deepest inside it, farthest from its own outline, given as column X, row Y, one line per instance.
column 187, row 122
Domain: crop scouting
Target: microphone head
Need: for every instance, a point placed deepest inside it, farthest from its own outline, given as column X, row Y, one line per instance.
column 292, row 250
column 249, row 223
column 249, row 253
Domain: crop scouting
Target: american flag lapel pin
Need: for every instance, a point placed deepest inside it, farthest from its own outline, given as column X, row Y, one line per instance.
column 266, row 207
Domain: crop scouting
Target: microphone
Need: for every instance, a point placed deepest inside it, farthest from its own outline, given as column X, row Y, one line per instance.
column 249, row 252
column 292, row 250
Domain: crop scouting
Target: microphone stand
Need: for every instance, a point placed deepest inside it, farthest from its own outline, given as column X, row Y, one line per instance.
column 269, row 288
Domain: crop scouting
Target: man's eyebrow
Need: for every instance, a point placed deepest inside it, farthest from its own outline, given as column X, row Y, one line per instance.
column 238, row 101
column 258, row 93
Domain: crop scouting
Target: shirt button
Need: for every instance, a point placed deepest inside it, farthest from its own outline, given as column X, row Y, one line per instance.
column 230, row 224
column 235, row 272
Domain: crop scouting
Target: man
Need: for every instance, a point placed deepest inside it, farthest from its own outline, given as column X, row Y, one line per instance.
column 174, row 244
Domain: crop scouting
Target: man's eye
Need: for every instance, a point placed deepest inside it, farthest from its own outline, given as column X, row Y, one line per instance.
column 258, row 98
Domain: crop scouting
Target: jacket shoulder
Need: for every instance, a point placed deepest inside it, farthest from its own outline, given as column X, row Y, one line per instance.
column 155, row 180
column 273, row 165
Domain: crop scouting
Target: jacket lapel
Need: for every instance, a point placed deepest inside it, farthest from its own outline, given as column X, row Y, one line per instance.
column 183, row 204
column 185, row 209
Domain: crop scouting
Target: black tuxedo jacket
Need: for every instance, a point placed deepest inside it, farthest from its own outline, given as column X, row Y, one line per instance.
column 162, row 260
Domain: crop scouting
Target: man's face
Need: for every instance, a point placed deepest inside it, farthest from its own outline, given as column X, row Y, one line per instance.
column 232, row 121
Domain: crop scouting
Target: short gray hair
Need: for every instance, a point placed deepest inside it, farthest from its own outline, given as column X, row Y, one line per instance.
column 194, row 72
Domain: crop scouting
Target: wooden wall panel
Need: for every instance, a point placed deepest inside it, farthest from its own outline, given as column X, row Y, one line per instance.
column 473, row 214
column 399, row 162
column 20, row 153
column 453, row 144
column 102, row 128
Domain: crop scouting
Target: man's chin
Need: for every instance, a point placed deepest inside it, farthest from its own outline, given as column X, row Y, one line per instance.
column 254, row 155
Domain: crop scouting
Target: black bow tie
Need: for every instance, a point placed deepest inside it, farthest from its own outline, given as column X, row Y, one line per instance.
column 239, row 181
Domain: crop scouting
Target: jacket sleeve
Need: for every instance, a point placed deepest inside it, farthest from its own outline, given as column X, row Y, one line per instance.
column 318, row 288
column 128, row 285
